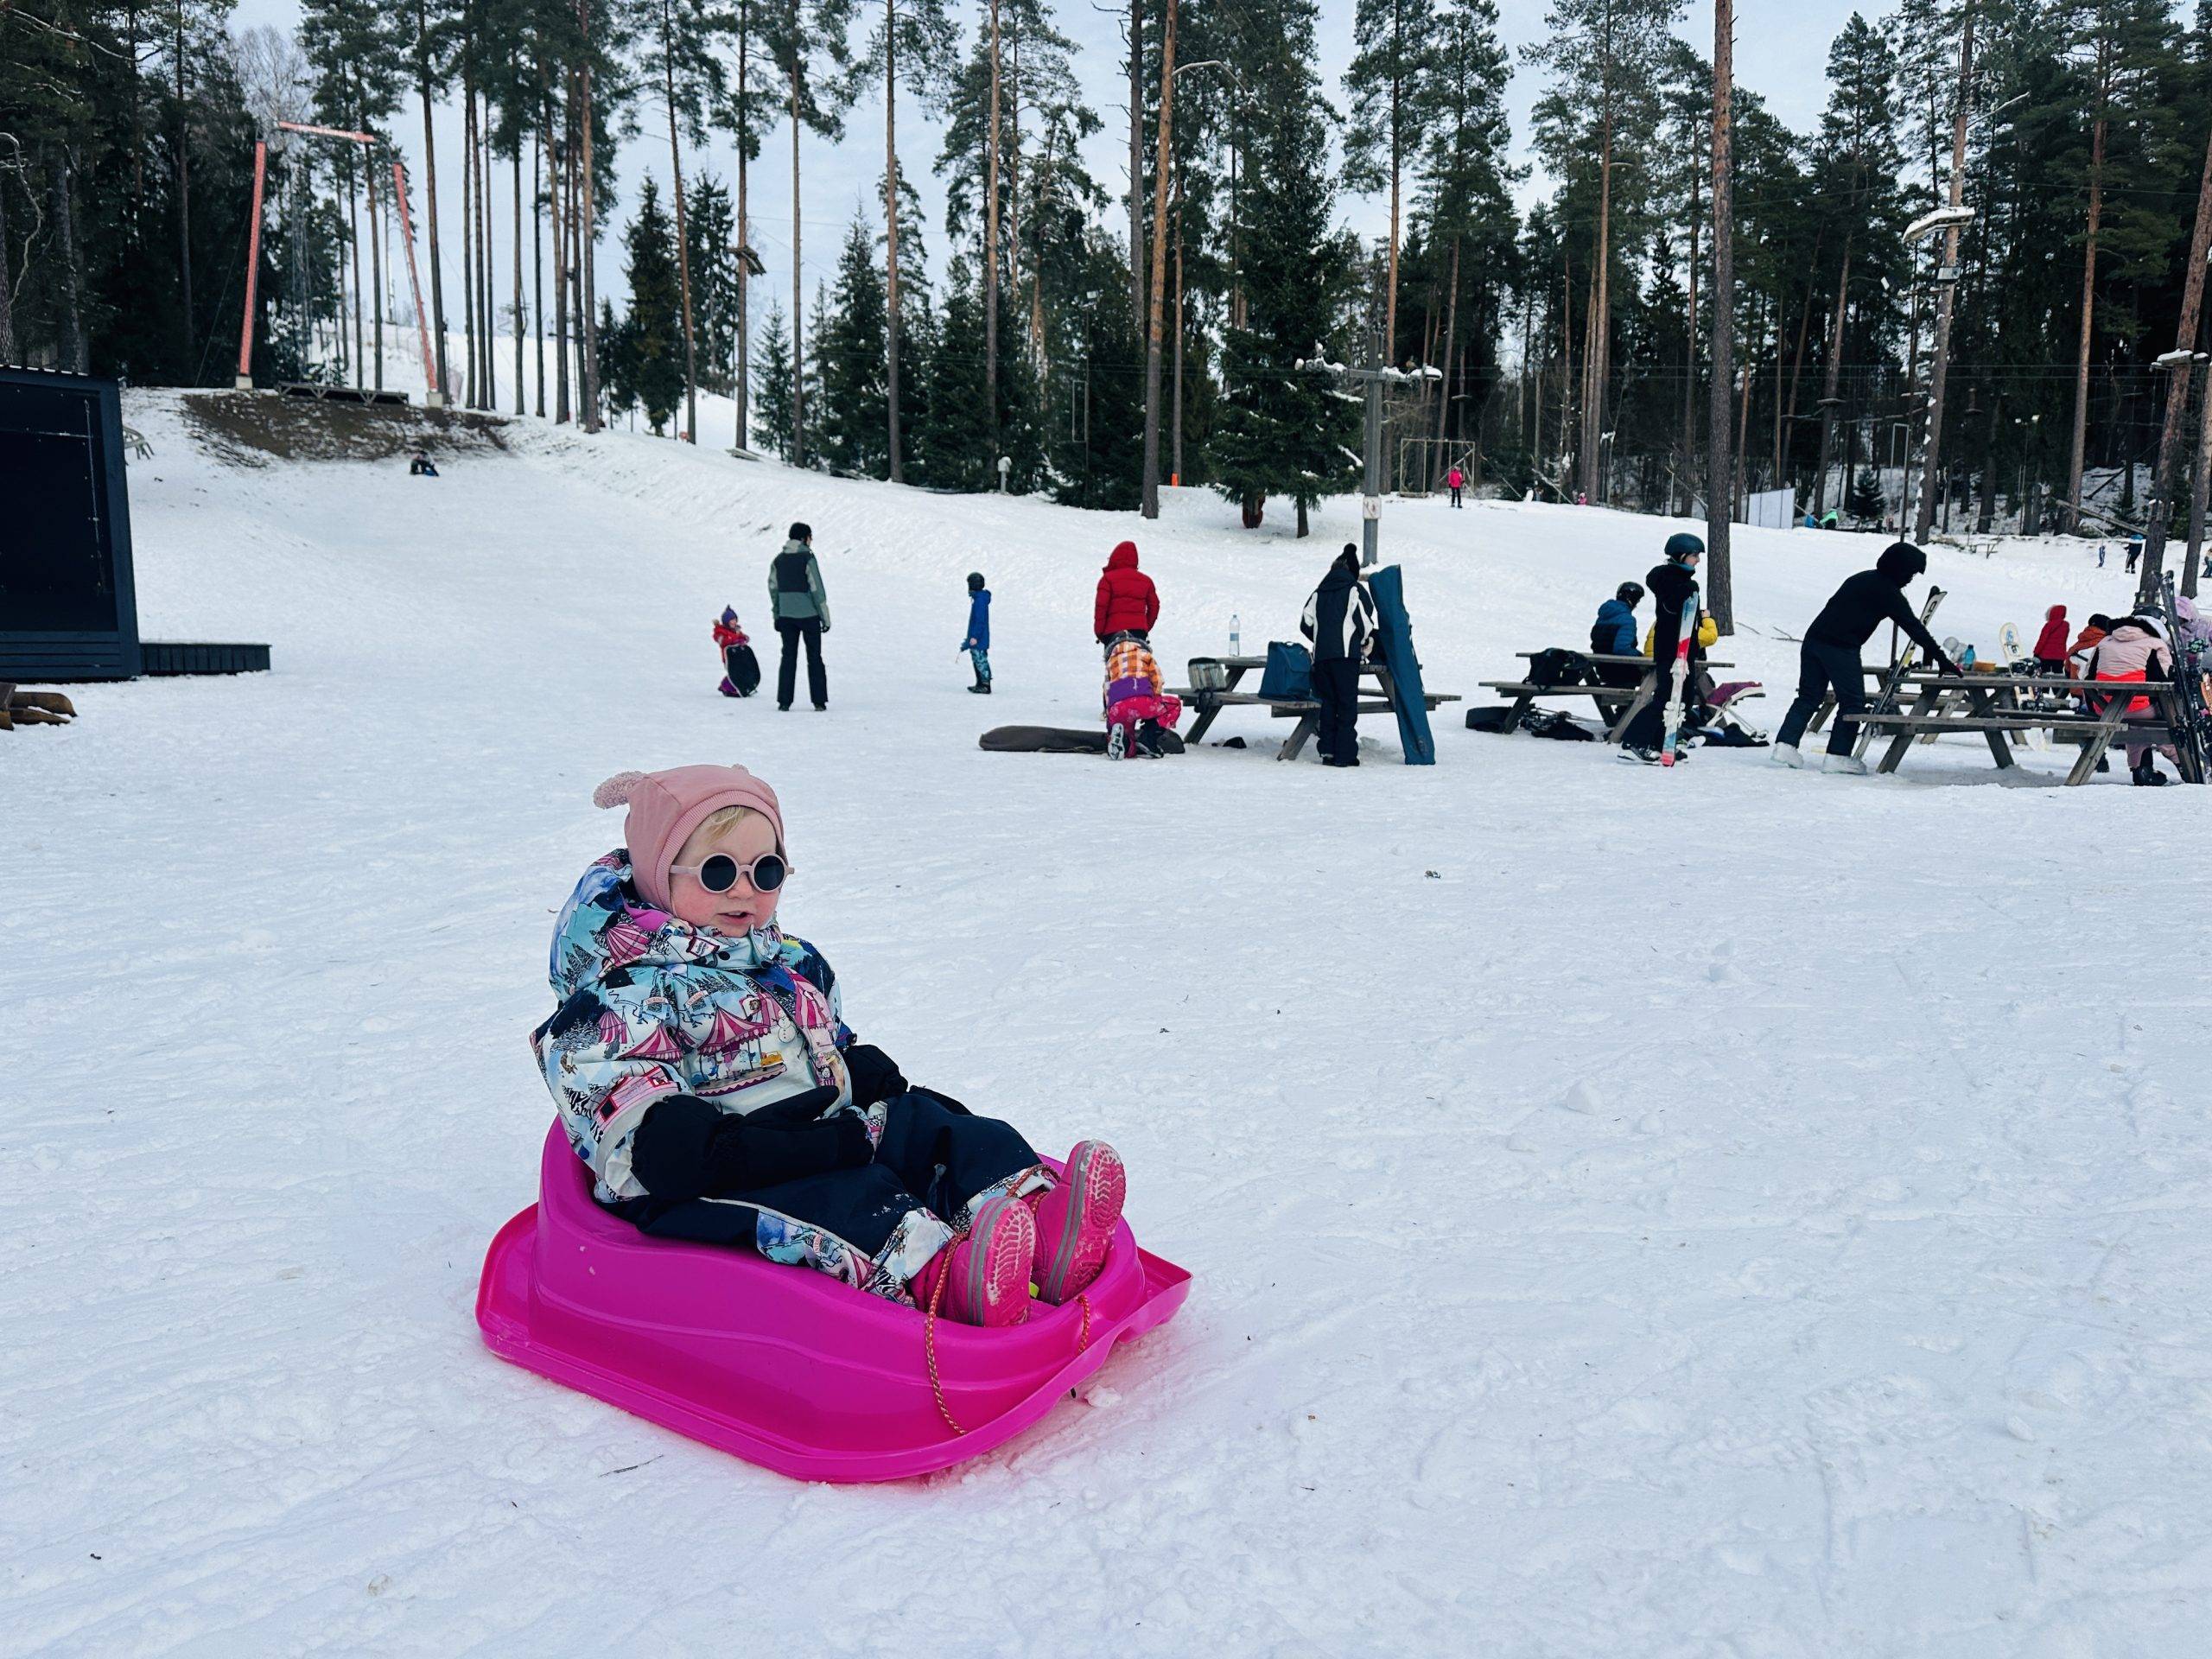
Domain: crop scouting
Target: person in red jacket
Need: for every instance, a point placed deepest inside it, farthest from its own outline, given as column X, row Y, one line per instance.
column 1456, row 481
column 2050, row 643
column 1127, row 602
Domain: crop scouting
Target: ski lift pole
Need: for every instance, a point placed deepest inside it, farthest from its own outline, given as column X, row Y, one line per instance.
column 244, row 382
column 1370, row 380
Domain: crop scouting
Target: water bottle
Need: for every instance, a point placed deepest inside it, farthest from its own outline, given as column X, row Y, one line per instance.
column 1236, row 639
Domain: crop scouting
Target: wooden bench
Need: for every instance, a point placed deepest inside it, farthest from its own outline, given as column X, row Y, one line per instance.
column 1994, row 712
column 1305, row 711
column 1631, row 700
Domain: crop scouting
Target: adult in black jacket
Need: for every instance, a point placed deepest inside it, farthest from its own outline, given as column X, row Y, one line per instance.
column 1339, row 628
column 1828, row 659
column 1673, row 584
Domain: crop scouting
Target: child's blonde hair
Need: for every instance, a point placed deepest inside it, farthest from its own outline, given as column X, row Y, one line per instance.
column 722, row 819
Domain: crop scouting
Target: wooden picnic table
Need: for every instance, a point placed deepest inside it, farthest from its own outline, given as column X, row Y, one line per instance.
column 1306, row 711
column 1994, row 710
column 1629, row 701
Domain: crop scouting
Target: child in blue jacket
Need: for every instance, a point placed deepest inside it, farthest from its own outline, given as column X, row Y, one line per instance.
column 977, row 645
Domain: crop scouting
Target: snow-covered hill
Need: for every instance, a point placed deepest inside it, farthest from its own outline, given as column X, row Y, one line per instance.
column 1725, row 1211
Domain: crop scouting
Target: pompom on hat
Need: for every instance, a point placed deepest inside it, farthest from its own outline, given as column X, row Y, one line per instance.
column 665, row 807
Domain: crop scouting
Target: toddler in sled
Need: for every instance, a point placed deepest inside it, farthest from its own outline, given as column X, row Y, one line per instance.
column 702, row 1068
column 1137, row 704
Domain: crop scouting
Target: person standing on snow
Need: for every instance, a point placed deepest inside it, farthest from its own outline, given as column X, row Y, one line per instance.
column 1127, row 601
column 1673, row 584
column 977, row 645
column 2050, row 643
column 1456, row 481
column 1339, row 629
column 802, row 612
column 1828, row 657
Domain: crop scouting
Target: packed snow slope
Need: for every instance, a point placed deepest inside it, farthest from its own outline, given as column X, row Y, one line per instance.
column 1723, row 1212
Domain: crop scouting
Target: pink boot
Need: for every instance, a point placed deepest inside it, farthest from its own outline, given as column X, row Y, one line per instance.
column 1075, row 1221
column 986, row 1272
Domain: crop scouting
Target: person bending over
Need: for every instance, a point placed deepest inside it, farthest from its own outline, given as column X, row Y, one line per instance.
column 1828, row 659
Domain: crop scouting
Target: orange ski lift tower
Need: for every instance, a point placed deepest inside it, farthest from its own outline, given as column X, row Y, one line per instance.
column 436, row 396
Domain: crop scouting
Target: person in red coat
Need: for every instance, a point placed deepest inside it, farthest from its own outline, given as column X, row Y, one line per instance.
column 2050, row 643
column 1127, row 602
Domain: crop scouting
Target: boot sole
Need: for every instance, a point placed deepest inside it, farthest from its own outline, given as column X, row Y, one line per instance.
column 1001, row 1244
column 1097, row 1185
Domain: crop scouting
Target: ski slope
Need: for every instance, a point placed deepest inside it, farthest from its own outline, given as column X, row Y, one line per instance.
column 1725, row 1211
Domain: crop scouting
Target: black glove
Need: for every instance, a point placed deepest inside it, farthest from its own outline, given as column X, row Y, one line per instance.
column 876, row 1075
column 687, row 1148
column 1951, row 670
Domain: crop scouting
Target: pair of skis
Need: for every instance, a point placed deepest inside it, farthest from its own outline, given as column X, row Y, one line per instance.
column 1893, row 686
column 2192, row 735
column 1678, row 696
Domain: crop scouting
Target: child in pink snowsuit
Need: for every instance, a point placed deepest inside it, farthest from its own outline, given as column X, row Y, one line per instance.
column 702, row 1068
column 1138, row 706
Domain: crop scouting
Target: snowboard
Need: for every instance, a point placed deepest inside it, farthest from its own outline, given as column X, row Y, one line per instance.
column 1394, row 640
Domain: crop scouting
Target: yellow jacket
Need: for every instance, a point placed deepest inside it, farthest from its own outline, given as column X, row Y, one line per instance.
column 1709, row 632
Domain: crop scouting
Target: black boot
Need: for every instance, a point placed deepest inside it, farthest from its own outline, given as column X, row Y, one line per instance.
column 2147, row 773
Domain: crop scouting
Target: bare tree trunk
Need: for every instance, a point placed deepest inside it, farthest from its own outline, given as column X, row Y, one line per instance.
column 1828, row 385
column 553, row 193
column 798, row 346
column 2073, row 512
column 1720, row 595
column 683, row 238
column 354, row 237
column 1162, row 163
column 184, row 199
column 1397, row 167
column 2198, row 492
column 1931, row 451
column 891, row 226
column 991, row 247
column 471, row 396
column 1689, row 491
column 744, row 233
column 8, row 350
column 1175, row 464
column 1451, row 336
column 1598, row 350
column 1136, row 161
column 515, row 178
column 430, row 190
column 73, row 355
column 537, row 265
column 375, row 277
column 486, row 307
column 2177, row 389
column 1012, row 134
column 587, row 242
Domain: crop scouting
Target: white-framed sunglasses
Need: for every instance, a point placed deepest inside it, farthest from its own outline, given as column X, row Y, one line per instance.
column 719, row 873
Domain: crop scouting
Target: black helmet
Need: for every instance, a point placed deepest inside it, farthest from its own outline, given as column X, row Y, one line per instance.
column 974, row 582
column 1901, row 561
column 1683, row 545
column 1630, row 593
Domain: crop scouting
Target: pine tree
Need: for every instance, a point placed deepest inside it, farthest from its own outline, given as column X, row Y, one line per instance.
column 1398, row 52
column 850, row 354
column 618, row 361
column 655, row 323
column 771, row 394
column 710, row 230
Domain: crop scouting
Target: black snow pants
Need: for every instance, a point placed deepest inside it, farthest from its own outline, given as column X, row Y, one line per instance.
column 931, row 1157
column 1822, row 667
column 817, row 680
column 1649, row 730
column 1336, row 688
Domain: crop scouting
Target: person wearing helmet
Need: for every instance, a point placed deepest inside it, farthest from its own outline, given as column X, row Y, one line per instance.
column 1828, row 657
column 977, row 645
column 1613, row 634
column 1673, row 584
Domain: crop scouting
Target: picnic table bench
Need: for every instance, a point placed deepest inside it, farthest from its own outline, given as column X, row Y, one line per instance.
column 1306, row 711
column 1994, row 711
column 1627, row 700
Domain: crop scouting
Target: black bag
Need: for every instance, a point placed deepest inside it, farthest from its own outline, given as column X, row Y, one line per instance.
column 1560, row 666
column 1556, row 723
column 1497, row 718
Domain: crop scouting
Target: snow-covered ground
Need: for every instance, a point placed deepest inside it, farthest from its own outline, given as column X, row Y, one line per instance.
column 1726, row 1212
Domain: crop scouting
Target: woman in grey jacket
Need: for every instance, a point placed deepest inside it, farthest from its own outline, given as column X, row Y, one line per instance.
column 802, row 612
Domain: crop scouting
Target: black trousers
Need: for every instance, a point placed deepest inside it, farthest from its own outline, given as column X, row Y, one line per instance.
column 929, row 1157
column 1649, row 730
column 1821, row 667
column 1336, row 688
column 793, row 630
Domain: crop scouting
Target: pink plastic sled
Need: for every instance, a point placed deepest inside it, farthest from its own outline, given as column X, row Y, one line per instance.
column 786, row 1368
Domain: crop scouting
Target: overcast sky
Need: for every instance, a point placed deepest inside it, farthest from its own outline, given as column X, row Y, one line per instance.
column 1781, row 56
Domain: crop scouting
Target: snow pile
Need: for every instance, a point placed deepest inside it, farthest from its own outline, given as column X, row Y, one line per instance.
column 1730, row 1210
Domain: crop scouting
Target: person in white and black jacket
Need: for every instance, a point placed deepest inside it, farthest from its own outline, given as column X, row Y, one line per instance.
column 1339, row 629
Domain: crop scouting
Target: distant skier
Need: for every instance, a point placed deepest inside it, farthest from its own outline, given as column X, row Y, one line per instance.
column 2101, row 555
column 2050, row 643
column 802, row 612
column 1673, row 584
column 1828, row 659
column 1127, row 601
column 421, row 466
column 2134, row 553
column 1613, row 634
column 978, row 642
column 1339, row 629
column 1456, row 481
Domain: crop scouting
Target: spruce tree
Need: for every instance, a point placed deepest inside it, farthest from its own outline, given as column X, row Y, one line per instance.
column 711, row 230
column 850, row 354
column 772, row 389
column 655, row 324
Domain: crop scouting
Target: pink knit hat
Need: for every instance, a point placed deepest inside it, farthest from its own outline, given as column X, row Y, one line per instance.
column 665, row 807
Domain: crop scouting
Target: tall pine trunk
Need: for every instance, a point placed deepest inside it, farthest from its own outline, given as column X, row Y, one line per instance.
column 554, row 153
column 184, row 200
column 538, row 261
column 73, row 355
column 353, row 241
column 430, row 189
column 798, row 317
column 891, row 227
column 376, row 275
column 588, row 243
column 991, row 249
column 2081, row 436
column 682, row 234
column 1931, row 449
column 1829, row 381
column 1136, row 158
column 470, row 396
column 515, row 178
column 1162, row 165
column 1719, row 510
column 8, row 352
column 2178, row 391
column 744, row 234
